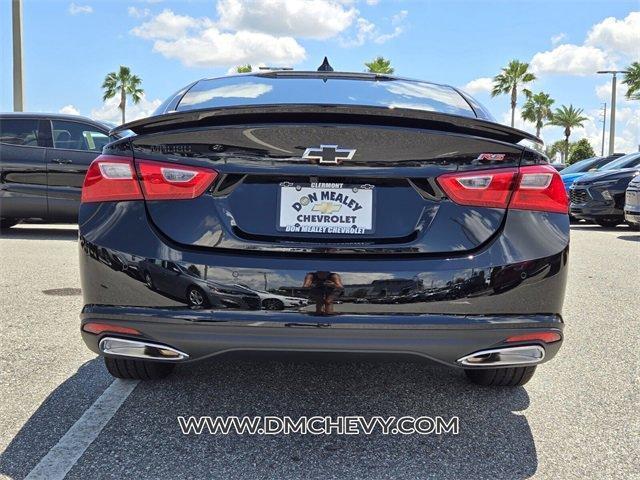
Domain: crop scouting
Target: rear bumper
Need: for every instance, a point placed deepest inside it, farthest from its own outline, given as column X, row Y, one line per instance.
column 434, row 306
column 442, row 338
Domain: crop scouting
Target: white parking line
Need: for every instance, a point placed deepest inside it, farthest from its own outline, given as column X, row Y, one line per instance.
column 64, row 454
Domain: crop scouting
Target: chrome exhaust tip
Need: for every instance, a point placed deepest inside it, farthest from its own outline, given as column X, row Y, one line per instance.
column 121, row 347
column 504, row 357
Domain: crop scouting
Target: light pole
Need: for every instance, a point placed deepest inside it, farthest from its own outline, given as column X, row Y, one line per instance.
column 18, row 80
column 612, row 122
column 604, row 125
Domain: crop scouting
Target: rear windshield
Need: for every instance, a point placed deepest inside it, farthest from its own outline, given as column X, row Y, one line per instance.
column 265, row 90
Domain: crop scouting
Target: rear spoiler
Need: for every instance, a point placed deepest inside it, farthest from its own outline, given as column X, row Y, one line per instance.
column 306, row 113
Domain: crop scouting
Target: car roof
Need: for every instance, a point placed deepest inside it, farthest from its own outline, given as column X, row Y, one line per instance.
column 55, row 116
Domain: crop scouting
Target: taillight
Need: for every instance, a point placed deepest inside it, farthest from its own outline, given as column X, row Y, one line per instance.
column 111, row 178
column 167, row 181
column 486, row 188
column 534, row 187
column 540, row 187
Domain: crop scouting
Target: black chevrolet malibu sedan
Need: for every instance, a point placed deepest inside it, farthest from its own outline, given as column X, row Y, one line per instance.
column 328, row 212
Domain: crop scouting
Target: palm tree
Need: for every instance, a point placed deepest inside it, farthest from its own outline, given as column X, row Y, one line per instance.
column 507, row 82
column 537, row 109
column 123, row 83
column 379, row 65
column 244, row 68
column 632, row 79
column 567, row 117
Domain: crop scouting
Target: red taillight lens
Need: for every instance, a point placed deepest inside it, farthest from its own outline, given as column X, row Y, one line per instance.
column 540, row 188
column 167, row 181
column 98, row 328
column 486, row 188
column 110, row 179
column 535, row 187
column 546, row 337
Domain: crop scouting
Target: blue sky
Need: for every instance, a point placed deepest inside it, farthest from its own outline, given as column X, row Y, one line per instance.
column 71, row 46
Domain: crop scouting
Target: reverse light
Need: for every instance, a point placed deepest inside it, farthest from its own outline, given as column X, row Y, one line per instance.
column 112, row 178
column 166, row 181
column 534, row 187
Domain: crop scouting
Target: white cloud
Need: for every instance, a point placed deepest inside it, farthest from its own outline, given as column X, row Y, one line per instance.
column 169, row 26
column 617, row 35
column 75, row 9
column 556, row 39
column 69, row 110
column 318, row 19
column 368, row 31
column 482, row 84
column 603, row 91
column 373, row 2
column 136, row 12
column 109, row 112
column 197, row 42
column 571, row 60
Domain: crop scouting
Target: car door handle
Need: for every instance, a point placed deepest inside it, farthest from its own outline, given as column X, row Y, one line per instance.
column 61, row 161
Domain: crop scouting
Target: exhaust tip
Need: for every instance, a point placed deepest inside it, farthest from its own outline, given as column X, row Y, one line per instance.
column 506, row 357
column 121, row 347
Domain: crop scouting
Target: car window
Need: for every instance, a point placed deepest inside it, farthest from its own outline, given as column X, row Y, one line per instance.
column 19, row 131
column 77, row 136
column 626, row 161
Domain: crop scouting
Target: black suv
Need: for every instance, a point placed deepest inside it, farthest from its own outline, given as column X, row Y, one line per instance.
column 43, row 161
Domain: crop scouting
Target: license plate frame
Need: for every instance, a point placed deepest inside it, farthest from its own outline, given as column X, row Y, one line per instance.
column 352, row 196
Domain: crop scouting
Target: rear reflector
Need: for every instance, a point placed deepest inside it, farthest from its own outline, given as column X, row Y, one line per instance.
column 534, row 187
column 546, row 337
column 97, row 328
column 112, row 178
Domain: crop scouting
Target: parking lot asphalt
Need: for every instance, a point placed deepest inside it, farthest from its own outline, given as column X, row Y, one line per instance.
column 577, row 418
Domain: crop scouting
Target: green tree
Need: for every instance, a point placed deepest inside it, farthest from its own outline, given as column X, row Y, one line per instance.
column 580, row 150
column 567, row 118
column 507, row 82
column 244, row 68
column 537, row 109
column 556, row 147
column 632, row 80
column 379, row 65
column 123, row 83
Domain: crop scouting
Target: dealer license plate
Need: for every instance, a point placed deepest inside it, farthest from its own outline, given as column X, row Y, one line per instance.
column 327, row 208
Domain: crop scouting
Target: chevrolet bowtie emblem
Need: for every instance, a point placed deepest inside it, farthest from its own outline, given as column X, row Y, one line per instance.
column 329, row 154
column 326, row 207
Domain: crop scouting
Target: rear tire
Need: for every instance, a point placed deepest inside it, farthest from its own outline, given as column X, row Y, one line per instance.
column 608, row 223
column 6, row 223
column 137, row 369
column 501, row 377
